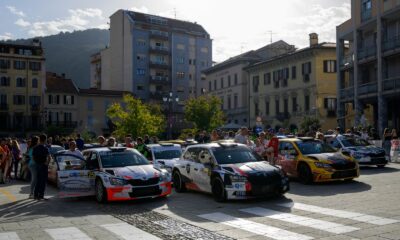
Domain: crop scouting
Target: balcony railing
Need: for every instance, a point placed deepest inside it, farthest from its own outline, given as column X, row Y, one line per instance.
column 35, row 107
column 366, row 15
column 368, row 88
column 347, row 92
column 66, row 124
column 159, row 34
column 3, row 106
column 367, row 52
column 157, row 95
column 159, row 64
column 391, row 84
column 391, row 43
column 347, row 60
column 159, row 49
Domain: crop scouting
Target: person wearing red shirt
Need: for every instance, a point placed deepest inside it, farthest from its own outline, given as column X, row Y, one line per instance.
column 272, row 150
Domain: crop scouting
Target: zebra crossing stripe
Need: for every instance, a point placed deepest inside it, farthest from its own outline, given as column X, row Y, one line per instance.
column 9, row 236
column 68, row 233
column 129, row 232
column 300, row 220
column 254, row 227
column 341, row 214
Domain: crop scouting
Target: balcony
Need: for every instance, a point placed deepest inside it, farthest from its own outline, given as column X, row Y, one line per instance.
column 159, row 80
column 157, row 95
column 366, row 15
column 368, row 88
column 391, row 43
column 391, row 83
column 35, row 107
column 367, row 52
column 159, row 49
column 347, row 93
column 65, row 124
column 159, row 34
column 282, row 116
column 347, row 61
column 159, row 64
column 3, row 107
column 236, row 111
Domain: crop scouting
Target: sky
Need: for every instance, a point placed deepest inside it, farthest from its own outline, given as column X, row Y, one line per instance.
column 235, row 26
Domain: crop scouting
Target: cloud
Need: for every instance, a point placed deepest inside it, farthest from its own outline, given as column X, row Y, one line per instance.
column 22, row 23
column 78, row 19
column 6, row 36
column 141, row 9
column 15, row 11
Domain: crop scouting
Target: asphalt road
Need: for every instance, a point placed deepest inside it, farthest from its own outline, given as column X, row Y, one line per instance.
column 367, row 208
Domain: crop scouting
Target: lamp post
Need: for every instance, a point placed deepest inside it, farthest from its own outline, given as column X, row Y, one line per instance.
column 169, row 99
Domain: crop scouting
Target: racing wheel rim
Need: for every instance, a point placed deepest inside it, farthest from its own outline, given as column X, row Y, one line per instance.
column 99, row 191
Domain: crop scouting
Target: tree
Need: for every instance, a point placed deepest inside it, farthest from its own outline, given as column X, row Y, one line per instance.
column 136, row 118
column 204, row 112
column 310, row 124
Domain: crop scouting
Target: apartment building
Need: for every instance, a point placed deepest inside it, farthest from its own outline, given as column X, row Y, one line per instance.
column 150, row 56
column 289, row 87
column 228, row 81
column 61, row 103
column 22, row 81
column 369, row 73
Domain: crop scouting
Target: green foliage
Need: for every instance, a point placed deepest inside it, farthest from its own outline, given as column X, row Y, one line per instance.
column 204, row 112
column 185, row 133
column 310, row 124
column 136, row 118
column 52, row 130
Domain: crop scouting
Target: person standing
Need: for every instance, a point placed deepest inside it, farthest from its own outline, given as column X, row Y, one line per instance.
column 387, row 139
column 73, row 150
column 214, row 136
column 79, row 142
column 17, row 156
column 32, row 165
column 40, row 156
column 243, row 136
column 6, row 160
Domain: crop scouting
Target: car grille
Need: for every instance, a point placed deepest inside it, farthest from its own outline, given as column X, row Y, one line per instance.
column 141, row 182
column 145, row 191
column 344, row 174
column 264, row 178
column 343, row 166
column 377, row 155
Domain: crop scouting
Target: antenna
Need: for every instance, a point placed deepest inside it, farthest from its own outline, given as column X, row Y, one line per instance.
column 270, row 34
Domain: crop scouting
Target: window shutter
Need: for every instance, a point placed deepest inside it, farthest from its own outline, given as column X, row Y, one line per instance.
column 72, row 100
column 325, row 103
column 65, row 99
column 325, row 66
column 58, row 99
column 302, row 69
column 334, row 62
column 309, row 67
column 15, row 99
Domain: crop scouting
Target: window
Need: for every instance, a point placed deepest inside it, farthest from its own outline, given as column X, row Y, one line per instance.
column 57, row 99
column 34, row 83
column 180, row 75
column 19, row 99
column 90, row 121
column 215, row 84
column 140, row 88
column 180, row 46
column 68, row 100
column 235, row 101
column 330, row 104
column 140, row 71
column 307, row 103
column 277, row 107
column 306, row 71
column 90, row 105
column 267, row 108
column 209, row 86
column 4, row 64
column 34, row 100
column 256, row 81
column 51, row 100
column 267, row 78
column 229, row 80
column 20, row 65
column 204, row 49
column 67, row 117
column 35, row 66
column 141, row 42
column 222, row 82
column 203, row 63
column 236, row 79
column 3, row 99
column 229, row 102
column 284, row 82
column 294, row 104
column 20, row 82
column 294, row 72
column 192, row 61
column 190, row 76
column 256, row 109
column 286, row 105
column 275, row 77
column 329, row 66
column 141, row 57
column 180, row 60
column 222, row 102
column 5, row 81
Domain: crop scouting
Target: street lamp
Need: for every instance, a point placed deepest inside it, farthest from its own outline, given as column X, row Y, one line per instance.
column 170, row 100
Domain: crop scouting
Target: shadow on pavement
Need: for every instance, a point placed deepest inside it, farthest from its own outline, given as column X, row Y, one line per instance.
column 370, row 170
column 328, row 188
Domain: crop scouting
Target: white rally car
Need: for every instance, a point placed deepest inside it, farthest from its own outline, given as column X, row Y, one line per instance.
column 111, row 174
column 164, row 155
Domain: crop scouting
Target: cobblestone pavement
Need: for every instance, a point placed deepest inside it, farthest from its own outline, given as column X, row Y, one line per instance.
column 368, row 208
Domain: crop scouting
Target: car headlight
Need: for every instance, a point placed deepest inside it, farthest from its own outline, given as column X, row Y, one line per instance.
column 358, row 154
column 237, row 178
column 117, row 181
column 165, row 176
column 322, row 165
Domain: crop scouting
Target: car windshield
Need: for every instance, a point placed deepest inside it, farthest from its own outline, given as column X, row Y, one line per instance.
column 167, row 153
column 111, row 159
column 314, row 147
column 351, row 142
column 232, row 155
column 55, row 149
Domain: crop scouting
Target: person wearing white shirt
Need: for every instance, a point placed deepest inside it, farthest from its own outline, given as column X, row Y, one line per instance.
column 73, row 150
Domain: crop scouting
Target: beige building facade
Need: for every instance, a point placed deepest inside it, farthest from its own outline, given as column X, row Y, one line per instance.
column 22, row 82
column 285, row 89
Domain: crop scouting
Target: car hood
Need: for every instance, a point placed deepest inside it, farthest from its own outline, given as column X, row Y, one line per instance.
column 167, row 162
column 134, row 172
column 250, row 167
column 332, row 158
column 366, row 149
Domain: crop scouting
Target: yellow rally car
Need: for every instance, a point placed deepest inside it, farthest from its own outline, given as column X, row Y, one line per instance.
column 314, row 161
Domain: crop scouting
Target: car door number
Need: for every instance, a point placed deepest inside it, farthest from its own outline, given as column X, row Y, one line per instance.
column 239, row 186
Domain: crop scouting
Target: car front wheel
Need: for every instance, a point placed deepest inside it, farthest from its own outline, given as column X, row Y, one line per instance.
column 305, row 174
column 179, row 185
column 381, row 166
column 101, row 194
column 218, row 190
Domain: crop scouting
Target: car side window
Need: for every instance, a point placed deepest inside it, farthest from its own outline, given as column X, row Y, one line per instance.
column 93, row 162
column 191, row 155
column 287, row 148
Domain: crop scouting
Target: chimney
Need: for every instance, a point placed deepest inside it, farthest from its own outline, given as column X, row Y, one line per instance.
column 313, row 39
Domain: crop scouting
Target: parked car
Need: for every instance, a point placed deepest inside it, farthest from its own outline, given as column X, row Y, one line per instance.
column 228, row 171
column 311, row 160
column 358, row 148
column 164, row 155
column 111, row 174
